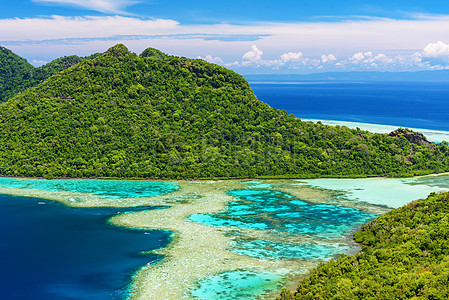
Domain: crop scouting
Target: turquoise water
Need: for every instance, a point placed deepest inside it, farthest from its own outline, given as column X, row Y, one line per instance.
column 293, row 229
column 239, row 284
column 280, row 215
column 263, row 209
column 439, row 182
column 275, row 250
column 221, row 221
column 391, row 192
column 114, row 189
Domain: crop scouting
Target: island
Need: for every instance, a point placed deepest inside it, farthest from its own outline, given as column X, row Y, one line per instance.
column 119, row 115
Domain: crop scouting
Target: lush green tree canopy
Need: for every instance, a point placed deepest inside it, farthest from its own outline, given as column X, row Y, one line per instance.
column 17, row 75
column 123, row 115
column 14, row 70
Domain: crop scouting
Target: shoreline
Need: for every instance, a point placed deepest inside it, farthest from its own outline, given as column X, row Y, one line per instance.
column 434, row 135
column 262, row 177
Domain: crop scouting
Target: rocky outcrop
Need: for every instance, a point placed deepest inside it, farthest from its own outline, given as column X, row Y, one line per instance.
column 413, row 137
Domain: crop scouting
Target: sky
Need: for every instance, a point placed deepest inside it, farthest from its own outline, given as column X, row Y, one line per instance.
column 250, row 37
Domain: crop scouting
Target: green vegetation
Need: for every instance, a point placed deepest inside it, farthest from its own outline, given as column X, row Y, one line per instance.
column 405, row 256
column 154, row 53
column 14, row 70
column 17, row 75
column 127, row 116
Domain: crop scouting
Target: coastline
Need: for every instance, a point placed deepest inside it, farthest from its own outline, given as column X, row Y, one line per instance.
column 433, row 135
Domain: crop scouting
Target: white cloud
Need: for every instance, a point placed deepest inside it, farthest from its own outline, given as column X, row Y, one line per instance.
column 328, row 58
column 382, row 58
column 59, row 27
column 215, row 60
column 233, row 64
column 38, row 63
column 434, row 56
column 291, row 56
column 105, row 6
column 360, row 57
column 436, row 50
column 359, row 61
column 253, row 55
column 380, row 44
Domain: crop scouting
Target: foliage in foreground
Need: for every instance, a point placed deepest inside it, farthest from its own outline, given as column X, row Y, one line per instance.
column 156, row 116
column 405, row 256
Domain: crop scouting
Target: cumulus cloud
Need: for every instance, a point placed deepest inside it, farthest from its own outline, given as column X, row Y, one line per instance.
column 215, row 60
column 435, row 56
column 291, row 56
column 382, row 58
column 253, row 55
column 104, row 6
column 436, row 50
column 358, row 57
column 328, row 58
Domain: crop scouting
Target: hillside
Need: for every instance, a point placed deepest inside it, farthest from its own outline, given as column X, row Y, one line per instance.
column 157, row 116
column 14, row 71
column 17, row 75
column 405, row 256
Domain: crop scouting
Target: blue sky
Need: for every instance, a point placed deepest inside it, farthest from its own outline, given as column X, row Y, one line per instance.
column 248, row 36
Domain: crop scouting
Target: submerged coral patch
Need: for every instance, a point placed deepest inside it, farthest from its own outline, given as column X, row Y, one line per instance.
column 279, row 211
column 240, row 284
column 275, row 250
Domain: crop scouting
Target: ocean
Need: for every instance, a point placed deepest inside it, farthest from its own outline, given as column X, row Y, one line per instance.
column 52, row 251
column 401, row 104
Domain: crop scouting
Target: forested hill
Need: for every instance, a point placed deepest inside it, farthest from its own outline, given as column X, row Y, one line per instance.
column 405, row 256
column 158, row 116
column 16, row 74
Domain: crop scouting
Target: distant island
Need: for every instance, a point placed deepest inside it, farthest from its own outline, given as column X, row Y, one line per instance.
column 121, row 115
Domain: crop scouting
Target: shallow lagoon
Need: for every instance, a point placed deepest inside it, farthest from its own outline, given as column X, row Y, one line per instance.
column 278, row 211
column 262, row 207
column 262, row 236
column 390, row 192
column 111, row 189
column 239, row 284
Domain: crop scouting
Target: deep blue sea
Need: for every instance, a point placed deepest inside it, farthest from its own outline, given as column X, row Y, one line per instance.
column 51, row 251
column 406, row 104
